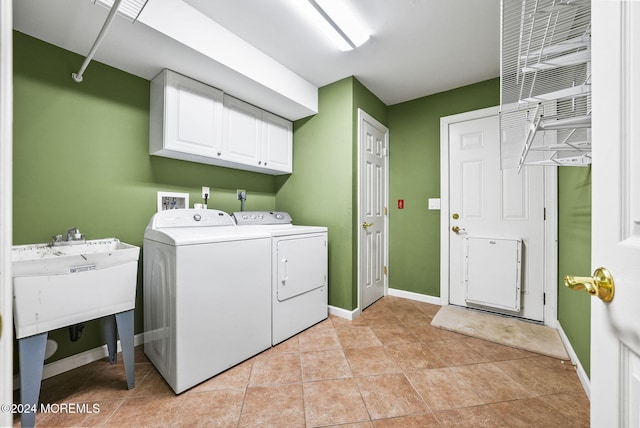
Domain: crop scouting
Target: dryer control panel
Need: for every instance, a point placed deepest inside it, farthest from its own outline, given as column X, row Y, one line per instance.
column 261, row 217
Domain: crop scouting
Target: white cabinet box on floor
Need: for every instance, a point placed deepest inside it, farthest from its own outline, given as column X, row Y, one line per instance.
column 195, row 122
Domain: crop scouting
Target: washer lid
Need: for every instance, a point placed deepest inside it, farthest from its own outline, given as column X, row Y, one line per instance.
column 202, row 235
column 190, row 218
column 197, row 226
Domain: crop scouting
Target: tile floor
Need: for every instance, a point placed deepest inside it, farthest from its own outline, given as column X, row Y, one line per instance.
column 387, row 368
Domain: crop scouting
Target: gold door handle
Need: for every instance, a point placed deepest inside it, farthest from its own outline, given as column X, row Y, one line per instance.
column 457, row 229
column 366, row 225
column 600, row 284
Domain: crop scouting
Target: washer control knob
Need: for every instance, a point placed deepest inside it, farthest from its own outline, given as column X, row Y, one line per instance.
column 197, row 217
column 279, row 216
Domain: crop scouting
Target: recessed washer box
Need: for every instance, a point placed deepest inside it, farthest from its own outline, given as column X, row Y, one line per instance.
column 172, row 201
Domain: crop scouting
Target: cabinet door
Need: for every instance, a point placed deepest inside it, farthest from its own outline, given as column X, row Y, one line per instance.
column 242, row 132
column 277, row 147
column 193, row 117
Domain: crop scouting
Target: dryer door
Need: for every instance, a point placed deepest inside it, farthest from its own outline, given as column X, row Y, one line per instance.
column 301, row 265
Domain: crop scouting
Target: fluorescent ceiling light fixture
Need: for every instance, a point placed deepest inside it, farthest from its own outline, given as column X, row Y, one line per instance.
column 335, row 20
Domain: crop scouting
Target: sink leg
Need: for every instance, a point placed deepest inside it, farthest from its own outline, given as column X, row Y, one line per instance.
column 109, row 326
column 125, row 331
column 31, row 362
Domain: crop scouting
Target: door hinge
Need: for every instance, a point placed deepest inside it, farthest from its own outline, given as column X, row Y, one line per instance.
column 384, row 270
column 544, row 299
column 385, row 211
column 544, row 216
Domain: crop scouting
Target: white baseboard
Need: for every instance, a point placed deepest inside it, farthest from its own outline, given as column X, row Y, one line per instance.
column 414, row 296
column 582, row 375
column 344, row 313
column 77, row 360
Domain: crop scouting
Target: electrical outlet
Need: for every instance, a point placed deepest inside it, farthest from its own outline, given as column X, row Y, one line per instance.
column 241, row 194
column 205, row 193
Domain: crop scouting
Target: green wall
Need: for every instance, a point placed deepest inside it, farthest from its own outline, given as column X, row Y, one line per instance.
column 322, row 189
column 414, row 161
column 81, row 159
column 574, row 247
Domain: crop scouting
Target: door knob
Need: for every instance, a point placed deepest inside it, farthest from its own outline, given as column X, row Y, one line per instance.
column 457, row 229
column 366, row 225
column 600, row 284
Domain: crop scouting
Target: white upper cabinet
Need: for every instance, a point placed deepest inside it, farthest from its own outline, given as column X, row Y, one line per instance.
column 186, row 118
column 195, row 122
column 242, row 131
column 277, row 147
column 255, row 137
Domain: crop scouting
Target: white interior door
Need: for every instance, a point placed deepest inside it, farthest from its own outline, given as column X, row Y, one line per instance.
column 373, row 139
column 485, row 202
column 6, row 195
column 615, row 326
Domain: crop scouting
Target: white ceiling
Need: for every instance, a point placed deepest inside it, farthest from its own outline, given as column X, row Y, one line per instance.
column 417, row 47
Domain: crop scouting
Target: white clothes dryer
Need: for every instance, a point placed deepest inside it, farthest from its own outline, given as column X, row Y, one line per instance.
column 299, row 271
column 207, row 294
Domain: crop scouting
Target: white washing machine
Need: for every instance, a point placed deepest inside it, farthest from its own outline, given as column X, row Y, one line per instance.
column 299, row 271
column 207, row 294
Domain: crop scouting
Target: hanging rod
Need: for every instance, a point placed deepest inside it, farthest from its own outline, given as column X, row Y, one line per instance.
column 77, row 77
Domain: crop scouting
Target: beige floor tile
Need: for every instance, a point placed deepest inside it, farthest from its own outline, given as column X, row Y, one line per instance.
column 324, row 365
column 332, row 402
column 146, row 411
column 92, row 414
column 539, row 378
column 279, row 405
column 456, row 352
column 210, row 409
column 390, row 395
column 531, row 413
column 392, row 333
column 413, row 315
column 442, row 389
column 427, row 333
column 288, row 346
column 374, row 316
column 357, row 337
column 366, row 424
column 235, row 378
column 477, row 416
column 491, row 383
column 109, row 382
column 319, row 339
column 370, row 361
column 275, row 369
column 414, row 356
column 574, row 406
column 419, row 421
column 495, row 351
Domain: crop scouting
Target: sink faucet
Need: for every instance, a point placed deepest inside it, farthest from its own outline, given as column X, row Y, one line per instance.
column 73, row 235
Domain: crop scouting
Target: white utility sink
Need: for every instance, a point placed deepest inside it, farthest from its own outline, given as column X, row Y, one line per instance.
column 58, row 286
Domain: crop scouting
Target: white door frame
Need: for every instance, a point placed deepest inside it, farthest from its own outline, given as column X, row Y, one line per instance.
column 362, row 117
column 551, row 205
column 6, row 201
